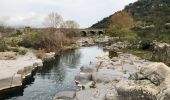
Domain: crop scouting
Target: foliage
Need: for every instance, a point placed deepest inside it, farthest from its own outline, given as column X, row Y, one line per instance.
column 29, row 40
column 71, row 33
column 123, row 34
column 165, row 37
column 22, row 51
column 47, row 41
column 18, row 32
column 152, row 18
column 122, row 20
column 3, row 46
column 13, row 41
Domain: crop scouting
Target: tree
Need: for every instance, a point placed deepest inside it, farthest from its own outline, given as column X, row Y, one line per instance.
column 122, row 20
column 53, row 20
column 70, row 24
column 120, row 25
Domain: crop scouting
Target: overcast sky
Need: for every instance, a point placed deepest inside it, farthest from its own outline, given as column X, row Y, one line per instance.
column 32, row 12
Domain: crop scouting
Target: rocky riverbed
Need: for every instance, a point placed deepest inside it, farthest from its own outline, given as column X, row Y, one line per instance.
column 126, row 77
column 13, row 72
column 15, row 68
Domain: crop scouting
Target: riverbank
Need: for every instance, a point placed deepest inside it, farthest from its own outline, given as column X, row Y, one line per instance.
column 15, row 68
column 13, row 72
column 56, row 75
column 126, row 77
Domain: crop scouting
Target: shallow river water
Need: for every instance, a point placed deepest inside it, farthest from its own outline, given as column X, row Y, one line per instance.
column 57, row 75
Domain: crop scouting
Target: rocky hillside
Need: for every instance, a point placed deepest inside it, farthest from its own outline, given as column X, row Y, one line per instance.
column 152, row 12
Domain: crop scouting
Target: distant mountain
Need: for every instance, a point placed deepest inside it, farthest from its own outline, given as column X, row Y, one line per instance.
column 151, row 12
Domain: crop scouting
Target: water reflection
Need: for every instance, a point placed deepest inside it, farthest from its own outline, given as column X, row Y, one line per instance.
column 57, row 75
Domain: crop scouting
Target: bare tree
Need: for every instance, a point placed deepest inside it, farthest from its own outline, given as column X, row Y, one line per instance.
column 70, row 24
column 53, row 20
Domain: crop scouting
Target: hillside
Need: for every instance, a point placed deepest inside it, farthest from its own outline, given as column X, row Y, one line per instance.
column 152, row 12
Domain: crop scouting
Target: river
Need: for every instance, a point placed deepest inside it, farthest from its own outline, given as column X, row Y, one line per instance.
column 57, row 75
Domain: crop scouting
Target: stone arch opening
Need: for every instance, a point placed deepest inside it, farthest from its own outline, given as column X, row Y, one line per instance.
column 92, row 33
column 100, row 32
column 84, row 33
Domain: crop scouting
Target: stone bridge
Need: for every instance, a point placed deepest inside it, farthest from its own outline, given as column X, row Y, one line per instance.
column 92, row 32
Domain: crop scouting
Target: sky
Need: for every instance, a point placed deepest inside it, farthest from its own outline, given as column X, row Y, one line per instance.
column 32, row 12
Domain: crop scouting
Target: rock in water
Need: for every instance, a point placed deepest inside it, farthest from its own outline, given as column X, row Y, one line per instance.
column 66, row 95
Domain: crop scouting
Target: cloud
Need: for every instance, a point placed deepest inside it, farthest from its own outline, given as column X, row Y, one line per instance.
column 32, row 12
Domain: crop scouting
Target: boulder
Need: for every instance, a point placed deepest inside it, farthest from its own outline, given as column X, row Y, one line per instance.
column 161, row 52
column 88, row 94
column 83, row 78
column 13, row 72
column 133, row 90
column 17, row 80
column 149, row 83
column 38, row 63
column 49, row 56
column 88, row 69
column 106, row 75
column 65, row 95
column 5, row 82
column 111, row 95
column 101, row 92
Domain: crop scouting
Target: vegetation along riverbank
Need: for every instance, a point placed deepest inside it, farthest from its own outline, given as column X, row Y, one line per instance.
column 135, row 42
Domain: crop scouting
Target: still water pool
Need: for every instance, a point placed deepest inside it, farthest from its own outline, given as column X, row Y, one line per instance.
column 57, row 75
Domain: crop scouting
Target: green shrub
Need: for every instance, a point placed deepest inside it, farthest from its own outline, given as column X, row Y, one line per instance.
column 124, row 34
column 13, row 41
column 29, row 40
column 22, row 51
column 18, row 32
column 3, row 46
column 165, row 37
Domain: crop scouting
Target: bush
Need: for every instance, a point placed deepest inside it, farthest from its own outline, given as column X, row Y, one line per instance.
column 124, row 34
column 13, row 41
column 18, row 32
column 3, row 46
column 165, row 37
column 71, row 33
column 30, row 39
column 22, row 51
column 47, row 41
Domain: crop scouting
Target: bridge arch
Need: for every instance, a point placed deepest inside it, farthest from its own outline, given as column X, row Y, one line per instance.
column 84, row 33
column 92, row 33
column 100, row 32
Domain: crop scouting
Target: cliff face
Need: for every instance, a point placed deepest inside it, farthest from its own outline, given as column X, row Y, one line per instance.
column 149, row 11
